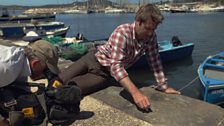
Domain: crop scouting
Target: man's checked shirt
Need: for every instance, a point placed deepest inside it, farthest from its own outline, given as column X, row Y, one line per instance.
column 122, row 50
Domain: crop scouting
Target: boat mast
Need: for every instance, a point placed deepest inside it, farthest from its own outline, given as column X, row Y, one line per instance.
column 87, row 5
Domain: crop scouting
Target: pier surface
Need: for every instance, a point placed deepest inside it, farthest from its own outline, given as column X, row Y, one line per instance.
column 113, row 106
column 166, row 109
column 111, row 109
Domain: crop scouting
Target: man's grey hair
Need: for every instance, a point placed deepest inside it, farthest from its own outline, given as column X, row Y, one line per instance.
column 148, row 11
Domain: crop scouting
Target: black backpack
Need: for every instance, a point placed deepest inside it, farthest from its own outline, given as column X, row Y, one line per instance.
column 62, row 101
column 21, row 106
column 55, row 105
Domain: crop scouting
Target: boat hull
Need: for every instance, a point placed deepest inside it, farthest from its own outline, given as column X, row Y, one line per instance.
column 211, row 74
column 57, row 32
column 169, row 55
column 178, row 11
column 19, row 30
column 167, row 52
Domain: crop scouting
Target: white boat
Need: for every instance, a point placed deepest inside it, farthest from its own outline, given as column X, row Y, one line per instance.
column 75, row 11
column 54, row 32
column 114, row 10
column 57, row 32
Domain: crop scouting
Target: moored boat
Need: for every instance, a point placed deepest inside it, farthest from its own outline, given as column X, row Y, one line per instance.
column 211, row 74
column 51, row 33
column 57, row 32
column 18, row 30
column 181, row 9
column 167, row 51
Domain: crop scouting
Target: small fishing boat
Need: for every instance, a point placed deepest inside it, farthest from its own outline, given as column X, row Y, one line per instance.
column 57, row 32
column 180, row 9
column 211, row 74
column 51, row 33
column 167, row 51
column 18, row 30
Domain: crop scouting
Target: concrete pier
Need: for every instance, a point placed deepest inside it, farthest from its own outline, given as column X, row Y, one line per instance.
column 113, row 106
column 166, row 109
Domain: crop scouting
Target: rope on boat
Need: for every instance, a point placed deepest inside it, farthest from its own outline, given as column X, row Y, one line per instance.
column 187, row 85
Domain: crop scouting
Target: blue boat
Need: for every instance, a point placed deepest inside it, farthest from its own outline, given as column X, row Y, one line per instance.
column 167, row 51
column 18, row 30
column 211, row 74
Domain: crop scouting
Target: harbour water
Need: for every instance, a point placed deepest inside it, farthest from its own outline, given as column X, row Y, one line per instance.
column 205, row 30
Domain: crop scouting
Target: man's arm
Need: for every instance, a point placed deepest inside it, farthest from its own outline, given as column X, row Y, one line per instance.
column 118, row 46
column 139, row 98
column 155, row 62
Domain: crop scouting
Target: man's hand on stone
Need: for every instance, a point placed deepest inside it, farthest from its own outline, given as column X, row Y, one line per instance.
column 141, row 100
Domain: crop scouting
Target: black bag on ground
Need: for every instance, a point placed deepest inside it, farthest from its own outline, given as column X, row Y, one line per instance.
column 33, row 112
column 63, row 103
column 62, row 100
column 62, row 106
column 26, row 109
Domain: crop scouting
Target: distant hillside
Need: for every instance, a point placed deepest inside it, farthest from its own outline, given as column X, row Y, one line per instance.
column 90, row 3
column 13, row 7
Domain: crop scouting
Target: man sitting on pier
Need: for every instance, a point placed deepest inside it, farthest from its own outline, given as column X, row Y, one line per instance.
column 125, row 46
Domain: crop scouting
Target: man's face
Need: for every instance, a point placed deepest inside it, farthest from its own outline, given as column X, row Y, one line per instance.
column 144, row 30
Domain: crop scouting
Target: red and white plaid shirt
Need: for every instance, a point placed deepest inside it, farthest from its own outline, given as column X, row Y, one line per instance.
column 122, row 50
